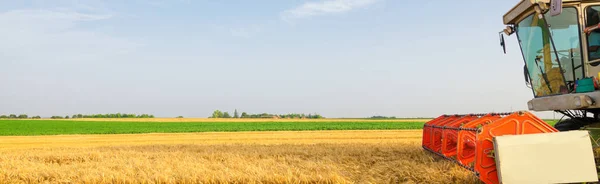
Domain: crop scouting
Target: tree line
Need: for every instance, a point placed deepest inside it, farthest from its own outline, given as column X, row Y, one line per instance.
column 383, row 117
column 20, row 116
column 117, row 115
column 222, row 114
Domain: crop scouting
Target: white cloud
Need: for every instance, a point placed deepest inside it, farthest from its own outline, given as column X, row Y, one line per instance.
column 324, row 7
column 55, row 36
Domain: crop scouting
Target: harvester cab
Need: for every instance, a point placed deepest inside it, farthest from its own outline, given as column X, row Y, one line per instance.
column 560, row 44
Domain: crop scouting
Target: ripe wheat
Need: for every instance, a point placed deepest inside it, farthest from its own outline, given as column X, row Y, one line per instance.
column 237, row 157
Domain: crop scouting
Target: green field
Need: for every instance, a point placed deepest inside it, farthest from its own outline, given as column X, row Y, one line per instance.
column 551, row 122
column 57, row 127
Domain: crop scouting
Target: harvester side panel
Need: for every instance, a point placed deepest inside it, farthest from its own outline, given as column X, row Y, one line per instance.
column 514, row 124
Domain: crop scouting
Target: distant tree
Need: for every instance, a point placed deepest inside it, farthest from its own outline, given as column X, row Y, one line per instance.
column 56, row 117
column 144, row 116
column 117, row 115
column 217, row 114
column 12, row 116
column 383, row 117
column 74, row 116
column 3, row 117
column 179, row 116
column 36, row 117
column 287, row 116
column 235, row 114
column 226, row 115
column 67, row 117
column 22, row 116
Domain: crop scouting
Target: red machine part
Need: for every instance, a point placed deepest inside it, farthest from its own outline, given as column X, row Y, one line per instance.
column 468, row 139
column 427, row 129
column 436, row 140
column 450, row 135
column 514, row 124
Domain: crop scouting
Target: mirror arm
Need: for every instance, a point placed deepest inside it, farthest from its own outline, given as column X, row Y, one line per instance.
column 502, row 43
column 508, row 31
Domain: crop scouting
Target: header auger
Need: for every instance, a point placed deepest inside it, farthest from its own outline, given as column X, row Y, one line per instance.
column 467, row 139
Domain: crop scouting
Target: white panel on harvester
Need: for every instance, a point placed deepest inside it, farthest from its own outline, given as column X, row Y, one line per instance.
column 561, row 157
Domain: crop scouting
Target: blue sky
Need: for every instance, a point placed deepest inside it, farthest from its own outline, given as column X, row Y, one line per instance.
column 338, row 58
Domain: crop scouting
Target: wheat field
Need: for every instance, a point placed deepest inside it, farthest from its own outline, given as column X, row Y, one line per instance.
column 380, row 156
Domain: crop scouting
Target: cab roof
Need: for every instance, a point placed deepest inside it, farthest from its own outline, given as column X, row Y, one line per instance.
column 511, row 16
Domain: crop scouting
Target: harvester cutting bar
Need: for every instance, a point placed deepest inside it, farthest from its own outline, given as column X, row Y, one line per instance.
column 468, row 139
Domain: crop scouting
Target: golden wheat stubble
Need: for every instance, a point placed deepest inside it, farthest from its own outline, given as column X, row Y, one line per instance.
column 379, row 156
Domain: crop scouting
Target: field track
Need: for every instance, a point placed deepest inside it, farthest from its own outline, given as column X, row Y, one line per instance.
column 375, row 156
column 212, row 138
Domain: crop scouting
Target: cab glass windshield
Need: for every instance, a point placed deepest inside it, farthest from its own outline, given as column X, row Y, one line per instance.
column 548, row 74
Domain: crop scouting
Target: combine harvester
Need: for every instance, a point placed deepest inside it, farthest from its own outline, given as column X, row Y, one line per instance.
column 560, row 45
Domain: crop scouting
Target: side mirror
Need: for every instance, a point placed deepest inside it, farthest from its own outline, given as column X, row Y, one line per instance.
column 526, row 74
column 556, row 7
column 502, row 43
